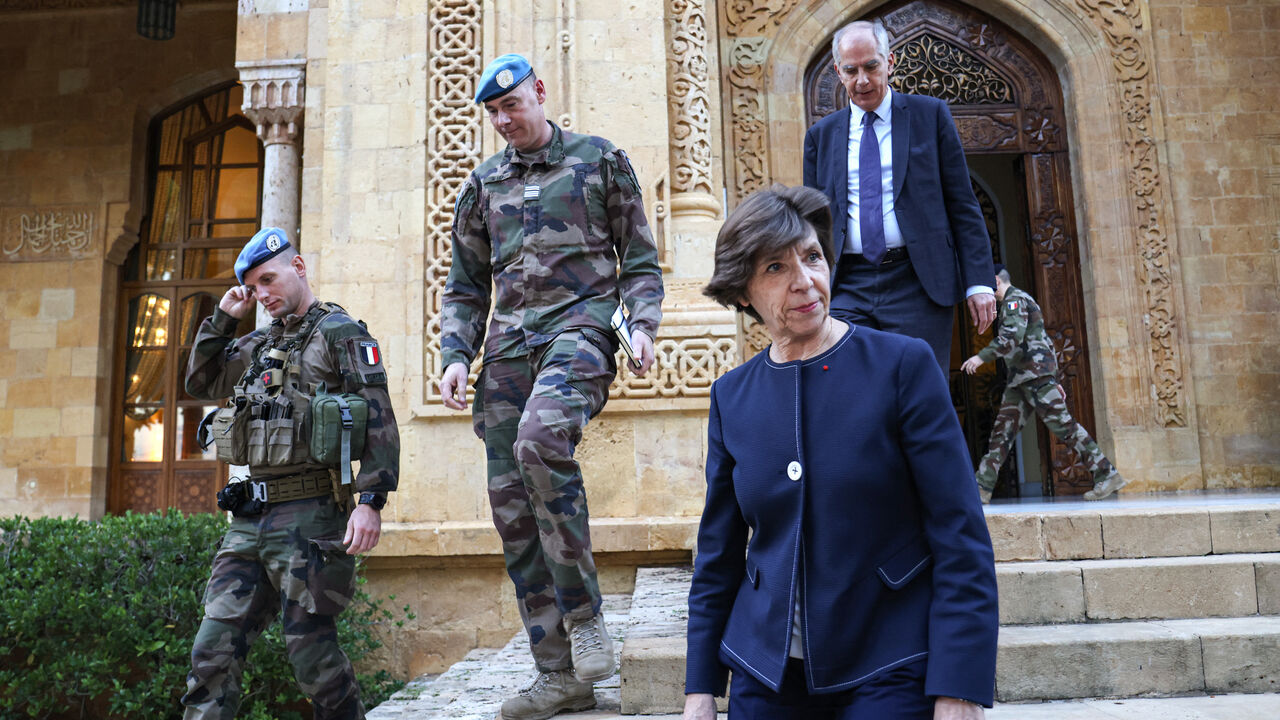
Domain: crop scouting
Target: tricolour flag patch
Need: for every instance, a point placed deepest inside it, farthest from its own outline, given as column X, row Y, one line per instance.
column 369, row 353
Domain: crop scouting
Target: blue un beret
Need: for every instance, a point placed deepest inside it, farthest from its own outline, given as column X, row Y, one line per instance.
column 266, row 244
column 501, row 76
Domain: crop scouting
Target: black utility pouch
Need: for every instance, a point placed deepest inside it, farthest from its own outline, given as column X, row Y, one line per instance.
column 231, row 497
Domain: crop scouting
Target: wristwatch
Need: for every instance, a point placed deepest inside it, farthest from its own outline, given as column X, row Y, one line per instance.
column 373, row 500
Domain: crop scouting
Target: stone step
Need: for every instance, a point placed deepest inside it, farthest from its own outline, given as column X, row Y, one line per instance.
column 1200, row 707
column 1130, row 529
column 1042, row 662
column 1131, row 659
column 1137, row 589
column 474, row 688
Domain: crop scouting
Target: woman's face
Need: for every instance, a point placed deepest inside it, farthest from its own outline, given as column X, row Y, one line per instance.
column 791, row 290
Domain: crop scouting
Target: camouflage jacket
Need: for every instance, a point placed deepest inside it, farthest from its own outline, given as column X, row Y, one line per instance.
column 560, row 234
column 1021, row 340
column 334, row 356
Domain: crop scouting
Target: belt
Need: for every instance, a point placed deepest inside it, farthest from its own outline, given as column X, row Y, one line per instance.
column 315, row 483
column 892, row 255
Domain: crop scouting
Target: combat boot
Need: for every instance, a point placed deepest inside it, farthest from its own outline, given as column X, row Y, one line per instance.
column 1111, row 483
column 591, row 648
column 551, row 693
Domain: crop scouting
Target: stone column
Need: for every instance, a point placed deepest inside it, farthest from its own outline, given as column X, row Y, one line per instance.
column 273, row 100
column 689, row 111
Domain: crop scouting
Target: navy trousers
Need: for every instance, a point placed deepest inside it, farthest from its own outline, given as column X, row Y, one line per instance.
column 895, row 695
column 890, row 297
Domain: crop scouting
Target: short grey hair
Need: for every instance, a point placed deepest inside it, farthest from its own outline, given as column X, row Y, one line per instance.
column 1004, row 275
column 875, row 26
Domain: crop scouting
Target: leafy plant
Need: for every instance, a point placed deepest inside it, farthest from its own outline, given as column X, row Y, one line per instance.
column 97, row 620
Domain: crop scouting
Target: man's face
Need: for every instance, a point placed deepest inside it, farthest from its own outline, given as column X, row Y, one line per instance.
column 519, row 116
column 863, row 71
column 279, row 284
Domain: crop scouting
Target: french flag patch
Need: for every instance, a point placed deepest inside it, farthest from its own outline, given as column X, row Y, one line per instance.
column 369, row 353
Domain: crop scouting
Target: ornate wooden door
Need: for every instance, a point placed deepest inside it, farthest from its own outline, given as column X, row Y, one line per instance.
column 1006, row 99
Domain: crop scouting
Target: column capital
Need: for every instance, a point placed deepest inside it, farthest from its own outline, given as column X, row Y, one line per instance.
column 273, row 98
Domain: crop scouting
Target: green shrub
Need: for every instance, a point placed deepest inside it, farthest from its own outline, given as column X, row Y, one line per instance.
column 97, row 621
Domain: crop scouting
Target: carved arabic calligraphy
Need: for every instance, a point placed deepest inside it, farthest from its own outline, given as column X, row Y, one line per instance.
column 47, row 233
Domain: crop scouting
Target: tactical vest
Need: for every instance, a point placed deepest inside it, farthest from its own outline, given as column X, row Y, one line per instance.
column 269, row 421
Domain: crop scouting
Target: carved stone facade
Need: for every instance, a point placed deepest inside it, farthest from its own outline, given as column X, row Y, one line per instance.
column 1124, row 27
column 37, row 234
column 689, row 110
column 453, row 149
column 274, row 97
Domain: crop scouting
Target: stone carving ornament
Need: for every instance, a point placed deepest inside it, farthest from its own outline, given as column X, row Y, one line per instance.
column 1122, row 23
column 690, row 108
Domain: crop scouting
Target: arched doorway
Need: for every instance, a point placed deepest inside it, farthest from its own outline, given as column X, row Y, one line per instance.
column 1007, row 103
column 205, row 190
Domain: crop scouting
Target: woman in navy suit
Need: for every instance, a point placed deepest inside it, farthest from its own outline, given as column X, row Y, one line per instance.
column 844, row 567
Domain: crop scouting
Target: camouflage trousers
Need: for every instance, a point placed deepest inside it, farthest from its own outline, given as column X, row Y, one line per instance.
column 291, row 558
column 530, row 412
column 1046, row 398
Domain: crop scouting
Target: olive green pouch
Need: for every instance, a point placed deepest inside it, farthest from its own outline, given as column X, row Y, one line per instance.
column 338, row 422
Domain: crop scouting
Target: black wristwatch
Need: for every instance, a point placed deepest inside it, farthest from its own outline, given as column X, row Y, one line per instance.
column 373, row 500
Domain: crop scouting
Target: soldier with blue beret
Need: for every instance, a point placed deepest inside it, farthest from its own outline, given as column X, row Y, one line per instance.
column 555, row 225
column 297, row 522
column 1021, row 341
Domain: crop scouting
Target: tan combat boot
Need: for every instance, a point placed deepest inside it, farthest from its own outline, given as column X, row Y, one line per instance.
column 591, row 648
column 1105, row 487
column 551, row 693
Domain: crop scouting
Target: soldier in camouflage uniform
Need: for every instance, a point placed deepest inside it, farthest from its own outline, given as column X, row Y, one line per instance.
column 556, row 224
column 1033, row 384
column 294, row 555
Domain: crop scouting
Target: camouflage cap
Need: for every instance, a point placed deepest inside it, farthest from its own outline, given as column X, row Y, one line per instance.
column 266, row 244
column 501, row 76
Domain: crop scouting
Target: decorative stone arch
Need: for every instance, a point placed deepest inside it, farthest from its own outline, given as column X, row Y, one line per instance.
column 1103, row 53
column 123, row 218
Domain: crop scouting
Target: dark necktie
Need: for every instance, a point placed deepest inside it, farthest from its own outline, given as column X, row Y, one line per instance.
column 870, row 205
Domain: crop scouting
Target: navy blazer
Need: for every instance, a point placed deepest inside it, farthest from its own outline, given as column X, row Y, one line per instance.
column 884, row 519
column 941, row 223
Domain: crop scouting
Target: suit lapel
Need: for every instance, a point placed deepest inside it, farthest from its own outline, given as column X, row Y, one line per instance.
column 841, row 181
column 901, row 141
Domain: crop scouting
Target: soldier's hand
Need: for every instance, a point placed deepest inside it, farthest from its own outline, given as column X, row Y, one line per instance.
column 970, row 366
column 642, row 345
column 237, row 301
column 453, row 386
column 982, row 308
column 364, row 528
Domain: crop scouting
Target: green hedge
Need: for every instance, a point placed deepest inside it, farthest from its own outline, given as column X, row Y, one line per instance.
column 97, row 621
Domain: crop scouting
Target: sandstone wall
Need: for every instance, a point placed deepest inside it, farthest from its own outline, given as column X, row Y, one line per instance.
column 79, row 89
column 1219, row 67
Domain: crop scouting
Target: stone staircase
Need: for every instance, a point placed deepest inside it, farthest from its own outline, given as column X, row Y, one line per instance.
column 1168, row 612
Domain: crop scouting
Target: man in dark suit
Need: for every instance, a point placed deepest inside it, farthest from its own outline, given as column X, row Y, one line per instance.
column 910, row 241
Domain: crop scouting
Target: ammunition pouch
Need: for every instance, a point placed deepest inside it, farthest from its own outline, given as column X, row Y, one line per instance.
column 229, row 430
column 338, row 426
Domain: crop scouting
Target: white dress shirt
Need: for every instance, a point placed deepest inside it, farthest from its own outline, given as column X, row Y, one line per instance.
column 884, row 137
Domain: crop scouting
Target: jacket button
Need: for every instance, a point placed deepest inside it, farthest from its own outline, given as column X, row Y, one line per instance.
column 794, row 471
